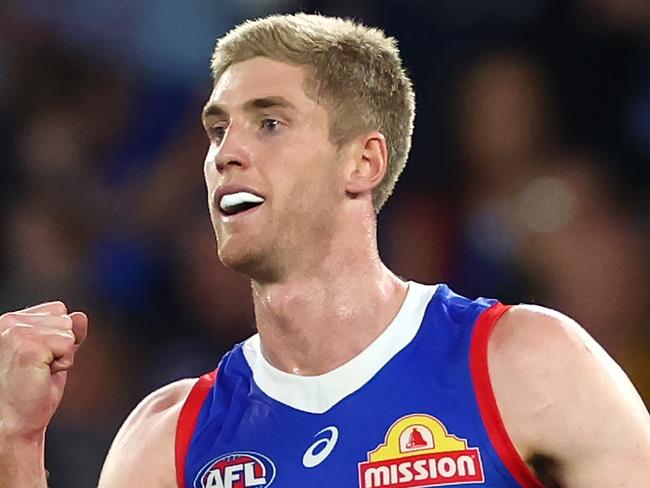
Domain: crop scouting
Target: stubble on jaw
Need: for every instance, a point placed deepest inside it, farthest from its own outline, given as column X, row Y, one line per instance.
column 256, row 264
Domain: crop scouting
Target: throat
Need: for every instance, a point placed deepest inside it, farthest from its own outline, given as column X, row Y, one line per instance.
column 317, row 327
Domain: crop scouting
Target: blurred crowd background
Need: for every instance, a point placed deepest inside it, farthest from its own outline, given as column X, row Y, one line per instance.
column 529, row 178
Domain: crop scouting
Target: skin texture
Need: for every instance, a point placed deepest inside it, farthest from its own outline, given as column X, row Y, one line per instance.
column 310, row 250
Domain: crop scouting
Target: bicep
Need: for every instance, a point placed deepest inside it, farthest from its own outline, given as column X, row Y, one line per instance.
column 607, row 426
column 142, row 453
column 564, row 398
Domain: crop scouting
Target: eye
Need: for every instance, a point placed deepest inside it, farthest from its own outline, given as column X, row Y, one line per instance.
column 270, row 125
column 217, row 132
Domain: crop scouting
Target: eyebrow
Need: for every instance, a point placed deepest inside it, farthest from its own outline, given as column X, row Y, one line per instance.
column 214, row 109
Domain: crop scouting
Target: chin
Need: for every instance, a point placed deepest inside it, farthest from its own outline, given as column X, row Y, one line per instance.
column 247, row 262
column 235, row 259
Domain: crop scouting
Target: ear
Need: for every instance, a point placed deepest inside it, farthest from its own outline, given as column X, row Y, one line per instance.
column 368, row 164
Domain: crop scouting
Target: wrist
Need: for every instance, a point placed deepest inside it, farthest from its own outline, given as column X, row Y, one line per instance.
column 12, row 441
column 22, row 461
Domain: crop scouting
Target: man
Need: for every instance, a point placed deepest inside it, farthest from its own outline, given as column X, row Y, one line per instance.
column 356, row 378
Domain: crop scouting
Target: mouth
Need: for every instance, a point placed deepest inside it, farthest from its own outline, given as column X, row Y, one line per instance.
column 238, row 203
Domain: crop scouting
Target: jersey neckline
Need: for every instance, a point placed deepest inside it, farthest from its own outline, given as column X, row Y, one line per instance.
column 318, row 394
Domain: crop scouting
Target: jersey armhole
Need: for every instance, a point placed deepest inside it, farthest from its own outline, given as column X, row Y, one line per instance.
column 490, row 415
column 187, row 421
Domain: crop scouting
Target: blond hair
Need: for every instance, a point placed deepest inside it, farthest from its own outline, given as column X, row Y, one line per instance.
column 355, row 71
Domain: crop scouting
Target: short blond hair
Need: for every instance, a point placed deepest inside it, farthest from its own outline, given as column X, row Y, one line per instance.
column 355, row 71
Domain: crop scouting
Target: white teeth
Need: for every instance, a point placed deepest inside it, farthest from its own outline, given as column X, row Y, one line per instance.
column 231, row 200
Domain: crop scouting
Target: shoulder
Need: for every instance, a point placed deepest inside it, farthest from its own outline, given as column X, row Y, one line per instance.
column 142, row 453
column 562, row 396
column 550, row 349
column 526, row 334
column 520, row 321
column 161, row 406
column 162, row 401
column 555, row 356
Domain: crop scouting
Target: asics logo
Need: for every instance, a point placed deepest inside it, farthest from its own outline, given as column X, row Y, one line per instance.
column 319, row 450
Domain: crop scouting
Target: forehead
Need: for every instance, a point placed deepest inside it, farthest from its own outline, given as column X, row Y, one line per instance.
column 258, row 78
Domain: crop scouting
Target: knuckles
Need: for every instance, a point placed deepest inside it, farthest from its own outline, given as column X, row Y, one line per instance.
column 58, row 308
column 58, row 316
column 8, row 319
column 23, row 338
column 29, row 334
column 16, row 333
column 67, row 320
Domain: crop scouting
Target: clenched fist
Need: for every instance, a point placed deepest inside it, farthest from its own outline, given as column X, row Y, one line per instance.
column 37, row 347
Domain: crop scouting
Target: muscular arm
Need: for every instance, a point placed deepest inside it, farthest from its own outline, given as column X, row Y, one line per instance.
column 568, row 407
column 142, row 453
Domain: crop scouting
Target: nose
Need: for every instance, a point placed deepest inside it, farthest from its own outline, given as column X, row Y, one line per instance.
column 226, row 161
column 233, row 152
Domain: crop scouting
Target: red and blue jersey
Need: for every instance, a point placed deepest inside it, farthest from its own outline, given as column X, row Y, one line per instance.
column 414, row 409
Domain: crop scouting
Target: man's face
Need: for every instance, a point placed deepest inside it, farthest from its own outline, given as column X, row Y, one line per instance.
column 271, row 170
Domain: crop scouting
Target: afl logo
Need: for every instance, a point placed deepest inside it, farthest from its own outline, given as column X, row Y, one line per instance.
column 237, row 470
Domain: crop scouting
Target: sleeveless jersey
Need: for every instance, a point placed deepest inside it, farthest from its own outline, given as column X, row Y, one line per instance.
column 414, row 409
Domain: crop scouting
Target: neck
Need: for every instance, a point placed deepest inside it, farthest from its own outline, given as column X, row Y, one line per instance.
column 318, row 320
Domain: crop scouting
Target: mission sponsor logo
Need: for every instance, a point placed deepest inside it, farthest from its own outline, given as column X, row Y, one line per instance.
column 237, row 470
column 419, row 452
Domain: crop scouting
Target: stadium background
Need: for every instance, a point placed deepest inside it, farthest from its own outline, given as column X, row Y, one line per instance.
column 528, row 179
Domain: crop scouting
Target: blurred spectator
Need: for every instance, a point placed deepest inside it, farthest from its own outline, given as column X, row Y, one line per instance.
column 506, row 130
column 543, row 222
column 587, row 257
